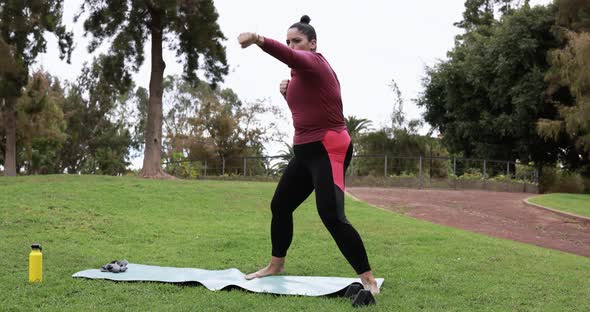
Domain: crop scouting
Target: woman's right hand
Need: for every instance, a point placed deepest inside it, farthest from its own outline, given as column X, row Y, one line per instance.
column 247, row 39
column 283, row 87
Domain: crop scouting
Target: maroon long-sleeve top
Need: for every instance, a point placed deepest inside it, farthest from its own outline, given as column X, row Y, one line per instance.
column 313, row 94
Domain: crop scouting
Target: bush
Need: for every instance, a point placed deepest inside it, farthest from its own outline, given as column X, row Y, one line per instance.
column 554, row 180
column 468, row 174
column 569, row 183
column 132, row 173
column 182, row 168
column 547, row 179
column 501, row 178
column 586, row 181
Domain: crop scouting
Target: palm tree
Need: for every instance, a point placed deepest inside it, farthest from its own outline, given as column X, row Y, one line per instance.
column 286, row 155
column 356, row 125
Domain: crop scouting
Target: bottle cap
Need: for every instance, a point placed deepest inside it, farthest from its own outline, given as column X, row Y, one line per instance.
column 36, row 246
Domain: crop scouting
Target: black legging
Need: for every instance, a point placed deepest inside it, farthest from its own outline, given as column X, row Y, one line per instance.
column 311, row 169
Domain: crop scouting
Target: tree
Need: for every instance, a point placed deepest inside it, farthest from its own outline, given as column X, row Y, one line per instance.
column 285, row 156
column 479, row 14
column 487, row 97
column 574, row 15
column 40, row 125
column 400, row 138
column 23, row 24
column 356, row 126
column 230, row 128
column 569, row 84
column 188, row 26
column 181, row 102
column 141, row 97
column 98, row 137
column 202, row 123
column 399, row 122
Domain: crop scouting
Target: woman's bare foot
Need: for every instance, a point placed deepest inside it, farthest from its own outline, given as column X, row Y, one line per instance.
column 369, row 282
column 276, row 266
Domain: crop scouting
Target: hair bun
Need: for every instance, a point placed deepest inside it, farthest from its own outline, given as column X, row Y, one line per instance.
column 305, row 19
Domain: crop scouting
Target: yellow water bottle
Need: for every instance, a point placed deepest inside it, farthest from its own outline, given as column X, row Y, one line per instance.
column 35, row 264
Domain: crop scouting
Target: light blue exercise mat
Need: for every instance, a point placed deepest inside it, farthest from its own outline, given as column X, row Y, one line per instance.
column 220, row 279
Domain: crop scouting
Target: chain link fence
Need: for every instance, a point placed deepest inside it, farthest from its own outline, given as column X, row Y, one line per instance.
column 378, row 171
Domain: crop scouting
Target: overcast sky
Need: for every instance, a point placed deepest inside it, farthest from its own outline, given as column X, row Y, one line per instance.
column 368, row 43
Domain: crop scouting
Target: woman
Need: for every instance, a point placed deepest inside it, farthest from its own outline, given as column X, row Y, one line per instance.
column 322, row 149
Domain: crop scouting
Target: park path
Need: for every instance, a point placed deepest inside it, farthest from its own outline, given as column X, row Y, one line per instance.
column 498, row 214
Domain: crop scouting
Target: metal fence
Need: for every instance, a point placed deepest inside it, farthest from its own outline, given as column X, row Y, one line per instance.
column 379, row 170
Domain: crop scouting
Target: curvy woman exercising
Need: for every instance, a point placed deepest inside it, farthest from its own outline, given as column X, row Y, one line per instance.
column 322, row 149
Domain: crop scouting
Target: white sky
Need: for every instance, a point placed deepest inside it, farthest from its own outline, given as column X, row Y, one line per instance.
column 368, row 43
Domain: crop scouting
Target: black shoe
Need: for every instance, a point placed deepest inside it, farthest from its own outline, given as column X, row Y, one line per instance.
column 363, row 298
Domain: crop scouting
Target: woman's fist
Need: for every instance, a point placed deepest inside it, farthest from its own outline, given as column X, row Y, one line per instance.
column 283, row 87
column 247, row 39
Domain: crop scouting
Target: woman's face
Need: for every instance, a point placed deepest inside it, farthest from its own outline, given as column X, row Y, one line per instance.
column 298, row 41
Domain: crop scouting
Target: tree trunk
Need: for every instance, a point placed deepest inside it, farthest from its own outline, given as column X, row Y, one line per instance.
column 153, row 139
column 10, row 124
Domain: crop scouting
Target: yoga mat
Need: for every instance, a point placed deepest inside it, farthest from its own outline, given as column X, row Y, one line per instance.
column 220, row 279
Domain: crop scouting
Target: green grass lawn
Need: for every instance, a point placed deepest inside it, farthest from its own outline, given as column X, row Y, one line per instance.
column 86, row 221
column 575, row 203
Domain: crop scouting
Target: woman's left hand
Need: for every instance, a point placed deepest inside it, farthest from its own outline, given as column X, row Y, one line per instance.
column 247, row 39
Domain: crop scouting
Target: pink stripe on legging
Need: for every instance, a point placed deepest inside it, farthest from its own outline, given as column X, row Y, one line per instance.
column 336, row 144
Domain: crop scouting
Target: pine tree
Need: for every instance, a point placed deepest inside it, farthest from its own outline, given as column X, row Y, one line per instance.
column 569, row 82
column 23, row 24
column 188, row 26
